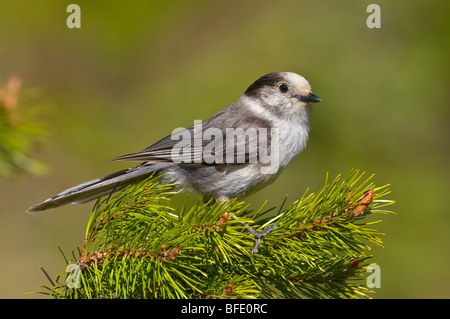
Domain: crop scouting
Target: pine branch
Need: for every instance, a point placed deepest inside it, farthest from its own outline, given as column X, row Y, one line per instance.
column 138, row 246
column 22, row 130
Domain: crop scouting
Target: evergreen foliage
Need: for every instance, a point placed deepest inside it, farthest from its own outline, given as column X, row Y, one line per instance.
column 21, row 129
column 137, row 246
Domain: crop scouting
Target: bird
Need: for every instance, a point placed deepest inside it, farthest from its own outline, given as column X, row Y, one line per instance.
column 221, row 158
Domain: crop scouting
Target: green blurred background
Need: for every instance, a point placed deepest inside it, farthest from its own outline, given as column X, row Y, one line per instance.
column 138, row 69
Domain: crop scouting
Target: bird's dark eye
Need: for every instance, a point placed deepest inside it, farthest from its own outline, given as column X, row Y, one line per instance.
column 283, row 88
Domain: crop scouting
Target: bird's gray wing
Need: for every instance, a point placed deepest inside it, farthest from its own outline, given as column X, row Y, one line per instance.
column 226, row 138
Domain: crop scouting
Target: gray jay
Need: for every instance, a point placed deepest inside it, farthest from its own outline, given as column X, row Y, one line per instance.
column 239, row 150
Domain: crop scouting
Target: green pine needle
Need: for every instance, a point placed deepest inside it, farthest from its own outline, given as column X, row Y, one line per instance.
column 138, row 246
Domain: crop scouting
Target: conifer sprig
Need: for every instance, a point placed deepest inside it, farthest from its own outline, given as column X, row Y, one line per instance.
column 138, row 246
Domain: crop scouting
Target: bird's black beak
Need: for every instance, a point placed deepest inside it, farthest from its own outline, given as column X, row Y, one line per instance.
column 311, row 98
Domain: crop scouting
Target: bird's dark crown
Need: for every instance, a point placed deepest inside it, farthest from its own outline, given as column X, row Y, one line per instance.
column 270, row 79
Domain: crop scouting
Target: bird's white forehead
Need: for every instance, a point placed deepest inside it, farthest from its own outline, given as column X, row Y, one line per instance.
column 298, row 81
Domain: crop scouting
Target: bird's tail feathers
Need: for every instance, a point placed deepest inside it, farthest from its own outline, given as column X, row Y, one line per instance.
column 93, row 189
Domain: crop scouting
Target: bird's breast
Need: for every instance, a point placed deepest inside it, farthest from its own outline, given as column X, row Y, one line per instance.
column 292, row 139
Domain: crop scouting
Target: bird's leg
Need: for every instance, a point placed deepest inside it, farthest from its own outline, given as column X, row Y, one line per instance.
column 258, row 235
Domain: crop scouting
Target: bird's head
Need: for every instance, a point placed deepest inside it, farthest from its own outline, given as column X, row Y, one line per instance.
column 282, row 93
